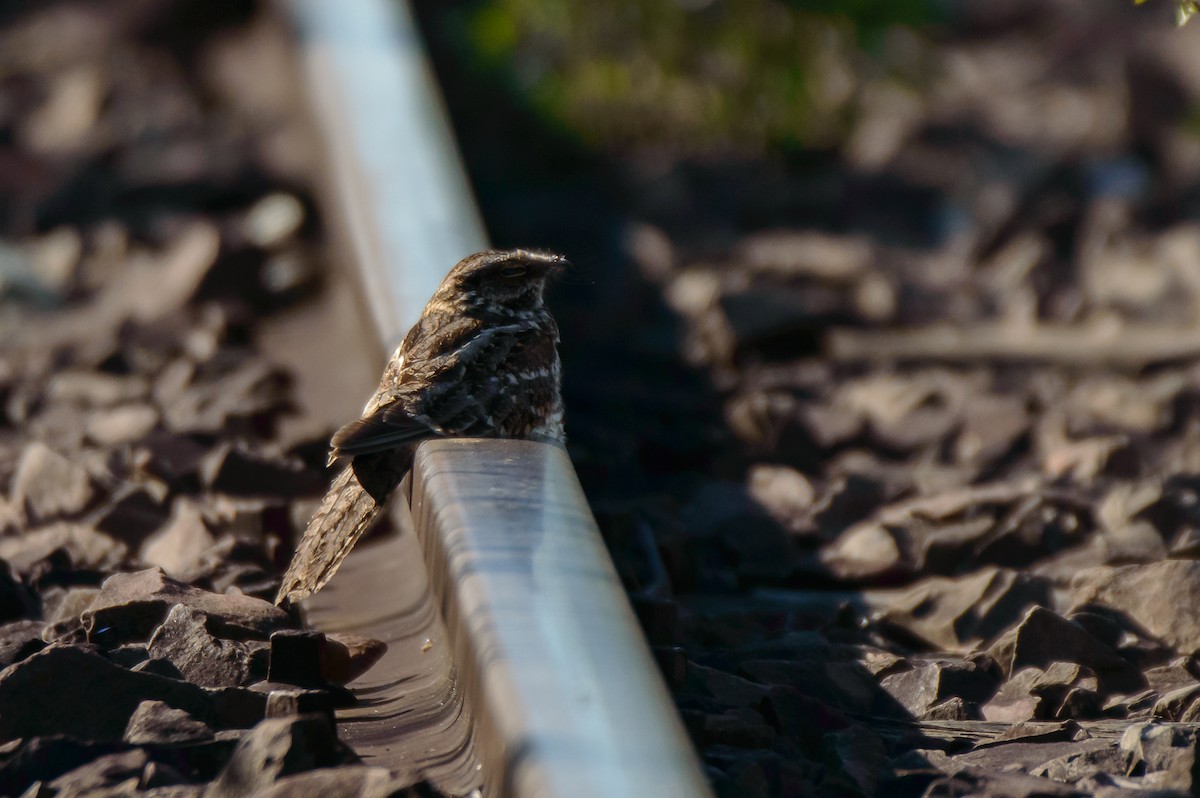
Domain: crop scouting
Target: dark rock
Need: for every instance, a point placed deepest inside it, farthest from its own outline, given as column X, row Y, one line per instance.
column 43, row 759
column 211, row 406
column 1039, row 758
column 175, row 459
column 1016, row 701
column 63, row 613
column 85, row 548
column 1173, row 675
column 801, row 717
column 154, row 722
column 48, row 485
column 846, row 500
column 128, row 656
column 161, row 780
column 759, row 545
column 1138, row 705
column 1068, row 690
column 296, row 657
column 920, row 689
column 672, row 664
column 183, row 640
column 1044, row 637
column 289, row 702
column 1151, row 748
column 158, row 667
column 345, row 657
column 276, row 748
column 1178, row 704
column 1150, row 594
column 955, row 613
column 944, row 548
column 856, row 757
column 69, row 604
column 130, row 606
column 16, row 601
column 991, row 426
column 350, row 781
column 1080, row 702
column 842, row 685
column 131, row 516
column 1033, row 529
column 105, row 771
column 968, row 783
column 20, row 639
column 952, row 709
column 1029, row 732
column 740, row 728
column 238, row 471
column 43, row 693
column 178, row 545
column 728, row 689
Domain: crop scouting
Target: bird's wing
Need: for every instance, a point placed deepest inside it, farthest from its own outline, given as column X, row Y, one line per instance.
column 438, row 402
column 382, row 430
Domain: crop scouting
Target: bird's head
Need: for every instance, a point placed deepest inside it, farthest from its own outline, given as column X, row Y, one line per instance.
column 501, row 280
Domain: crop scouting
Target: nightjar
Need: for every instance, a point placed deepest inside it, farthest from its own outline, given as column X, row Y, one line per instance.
column 482, row 361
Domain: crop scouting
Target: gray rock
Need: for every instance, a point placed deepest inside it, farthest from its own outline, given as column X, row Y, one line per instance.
column 1151, row 594
column 103, row 772
column 952, row 614
column 1171, row 750
column 1179, row 704
column 131, row 606
column 276, row 748
column 43, row 694
column 345, row 657
column 48, row 485
column 123, row 424
column 239, row 471
column 1016, row 701
column 178, row 545
column 131, row 516
column 351, row 781
column 16, row 601
column 1044, row 637
column 856, row 756
column 184, row 641
column 20, row 639
column 158, row 723
column 922, row 688
column 85, row 548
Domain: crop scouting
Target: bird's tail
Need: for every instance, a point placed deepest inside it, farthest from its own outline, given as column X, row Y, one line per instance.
column 346, row 512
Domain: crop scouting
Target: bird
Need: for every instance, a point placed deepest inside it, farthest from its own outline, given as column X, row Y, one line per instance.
column 481, row 361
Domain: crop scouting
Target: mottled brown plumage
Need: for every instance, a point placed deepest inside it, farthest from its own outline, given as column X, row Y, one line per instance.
column 482, row 361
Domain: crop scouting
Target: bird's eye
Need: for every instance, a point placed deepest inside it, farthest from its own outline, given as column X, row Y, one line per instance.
column 513, row 270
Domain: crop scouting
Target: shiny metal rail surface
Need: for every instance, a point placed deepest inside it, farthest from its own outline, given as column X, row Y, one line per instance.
column 400, row 188
column 558, row 691
column 410, row 713
column 569, row 700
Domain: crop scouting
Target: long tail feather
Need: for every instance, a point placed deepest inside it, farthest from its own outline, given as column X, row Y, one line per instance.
column 346, row 512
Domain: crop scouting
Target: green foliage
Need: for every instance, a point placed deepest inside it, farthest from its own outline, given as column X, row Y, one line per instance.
column 1186, row 9
column 696, row 74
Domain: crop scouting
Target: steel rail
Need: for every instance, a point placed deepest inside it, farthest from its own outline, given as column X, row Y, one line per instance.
column 551, row 689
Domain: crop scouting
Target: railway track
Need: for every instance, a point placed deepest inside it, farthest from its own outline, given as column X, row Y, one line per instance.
column 515, row 665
